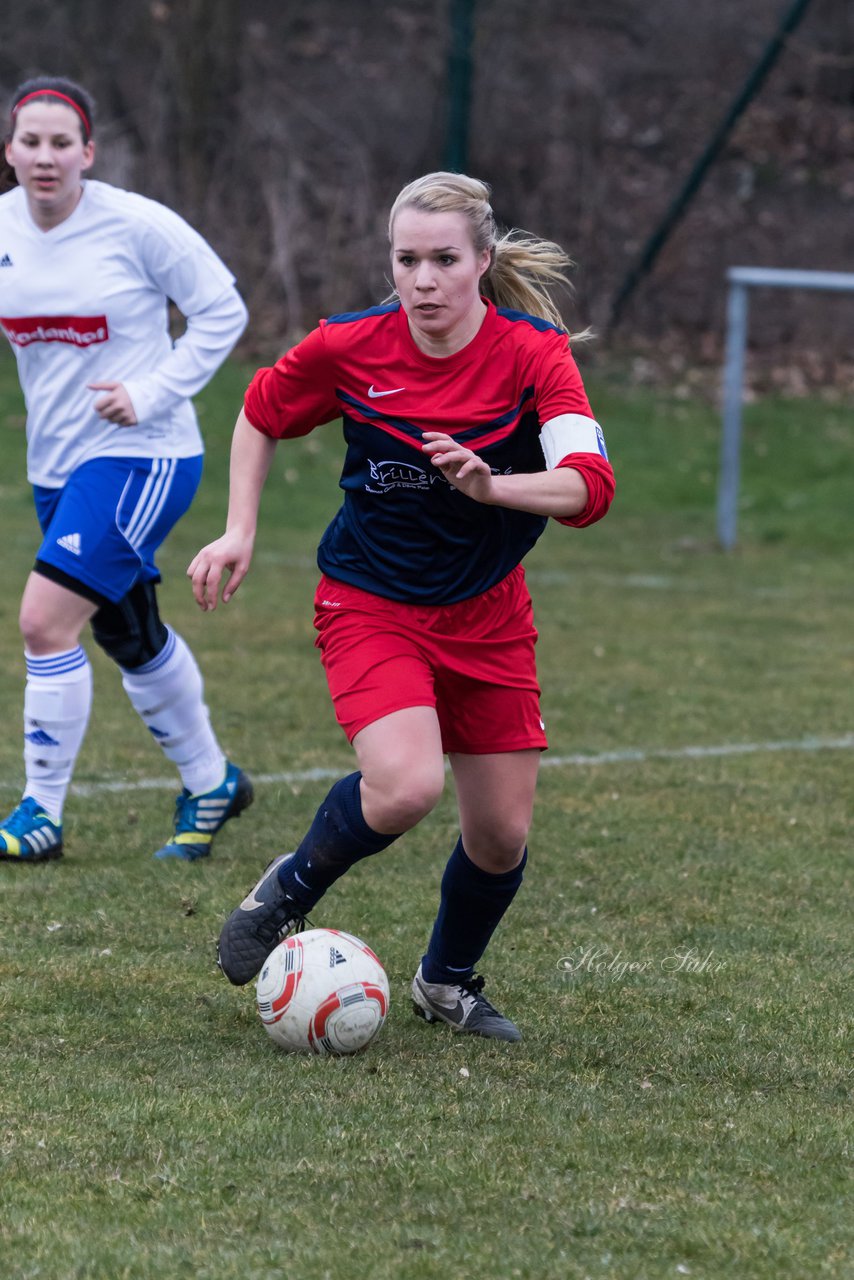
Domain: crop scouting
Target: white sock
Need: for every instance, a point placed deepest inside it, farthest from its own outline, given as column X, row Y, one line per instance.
column 168, row 694
column 57, row 702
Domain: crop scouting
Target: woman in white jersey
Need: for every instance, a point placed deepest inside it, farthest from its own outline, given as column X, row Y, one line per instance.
column 114, row 455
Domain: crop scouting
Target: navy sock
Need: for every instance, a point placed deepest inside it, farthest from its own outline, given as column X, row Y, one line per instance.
column 472, row 904
column 337, row 838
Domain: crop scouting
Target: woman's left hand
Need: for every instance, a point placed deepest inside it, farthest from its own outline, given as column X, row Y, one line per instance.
column 460, row 466
column 116, row 405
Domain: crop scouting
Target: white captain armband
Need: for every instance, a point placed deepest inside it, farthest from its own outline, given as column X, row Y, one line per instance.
column 571, row 433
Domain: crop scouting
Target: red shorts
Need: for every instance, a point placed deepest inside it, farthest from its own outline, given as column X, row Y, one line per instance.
column 473, row 661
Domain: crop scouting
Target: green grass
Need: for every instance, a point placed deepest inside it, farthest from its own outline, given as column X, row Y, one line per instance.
column 679, row 959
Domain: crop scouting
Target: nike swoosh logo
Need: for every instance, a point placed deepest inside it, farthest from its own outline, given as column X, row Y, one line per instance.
column 251, row 903
column 455, row 1013
column 375, row 395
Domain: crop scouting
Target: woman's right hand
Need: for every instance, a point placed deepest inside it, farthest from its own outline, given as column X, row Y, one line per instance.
column 232, row 553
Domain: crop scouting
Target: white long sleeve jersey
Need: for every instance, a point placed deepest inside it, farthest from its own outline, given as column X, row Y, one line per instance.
column 88, row 301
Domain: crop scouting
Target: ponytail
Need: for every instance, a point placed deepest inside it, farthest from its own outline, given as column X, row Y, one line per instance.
column 523, row 269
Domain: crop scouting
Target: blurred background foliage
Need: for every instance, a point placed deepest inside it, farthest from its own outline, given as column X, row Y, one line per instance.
column 284, row 129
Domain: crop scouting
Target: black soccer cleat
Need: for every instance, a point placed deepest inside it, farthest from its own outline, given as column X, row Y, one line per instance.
column 265, row 916
column 463, row 1006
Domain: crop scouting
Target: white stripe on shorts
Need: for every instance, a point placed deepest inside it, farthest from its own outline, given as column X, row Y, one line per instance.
column 151, row 501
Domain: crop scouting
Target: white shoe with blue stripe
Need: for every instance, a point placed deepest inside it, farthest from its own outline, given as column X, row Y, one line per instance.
column 29, row 834
column 199, row 817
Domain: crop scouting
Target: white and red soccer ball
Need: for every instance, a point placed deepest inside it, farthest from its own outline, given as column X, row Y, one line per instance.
column 323, row 991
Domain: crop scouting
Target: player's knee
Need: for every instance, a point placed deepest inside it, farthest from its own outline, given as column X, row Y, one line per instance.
column 497, row 848
column 400, row 802
column 129, row 650
column 42, row 630
column 412, row 803
column 131, row 631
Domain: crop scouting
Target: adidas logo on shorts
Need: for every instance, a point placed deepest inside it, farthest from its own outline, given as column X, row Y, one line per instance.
column 70, row 542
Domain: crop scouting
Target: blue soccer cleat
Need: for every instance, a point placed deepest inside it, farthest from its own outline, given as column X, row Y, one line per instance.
column 30, row 835
column 198, row 818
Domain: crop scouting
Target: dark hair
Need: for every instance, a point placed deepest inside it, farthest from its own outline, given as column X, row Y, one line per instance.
column 48, row 89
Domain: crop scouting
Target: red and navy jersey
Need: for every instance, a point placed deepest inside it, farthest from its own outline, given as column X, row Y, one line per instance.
column 403, row 532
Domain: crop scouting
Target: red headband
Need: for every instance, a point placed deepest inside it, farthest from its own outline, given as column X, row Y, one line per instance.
column 54, row 93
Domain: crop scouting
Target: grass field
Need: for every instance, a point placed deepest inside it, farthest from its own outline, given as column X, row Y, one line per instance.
column 680, row 958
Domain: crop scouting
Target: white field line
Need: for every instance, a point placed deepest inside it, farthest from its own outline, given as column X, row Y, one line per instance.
column 629, row 756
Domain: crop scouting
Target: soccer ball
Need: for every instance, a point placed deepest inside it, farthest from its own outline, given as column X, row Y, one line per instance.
column 323, row 992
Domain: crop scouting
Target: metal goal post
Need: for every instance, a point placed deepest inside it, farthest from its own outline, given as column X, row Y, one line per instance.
column 740, row 280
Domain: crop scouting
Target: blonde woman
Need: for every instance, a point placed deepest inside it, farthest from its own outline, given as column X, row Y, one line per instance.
column 467, row 429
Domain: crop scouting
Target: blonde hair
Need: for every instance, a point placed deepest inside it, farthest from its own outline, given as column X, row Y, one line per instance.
column 522, row 266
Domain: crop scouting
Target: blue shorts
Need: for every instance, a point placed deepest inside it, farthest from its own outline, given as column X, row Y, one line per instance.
column 104, row 526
